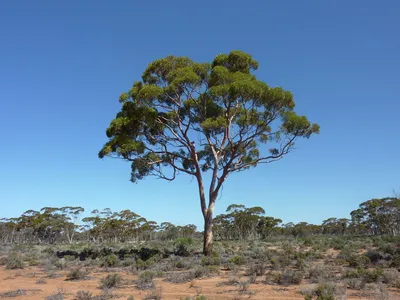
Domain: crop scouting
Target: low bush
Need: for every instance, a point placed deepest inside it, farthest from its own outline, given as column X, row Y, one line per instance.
column 14, row 261
column 145, row 280
column 200, row 272
column 83, row 295
column 111, row 281
column 288, row 277
column 237, row 260
column 110, row 260
column 180, row 277
column 257, row 269
column 356, row 283
column 210, row 261
column 77, row 274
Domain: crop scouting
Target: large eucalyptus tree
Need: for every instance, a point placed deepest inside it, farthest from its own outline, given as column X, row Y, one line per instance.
column 188, row 117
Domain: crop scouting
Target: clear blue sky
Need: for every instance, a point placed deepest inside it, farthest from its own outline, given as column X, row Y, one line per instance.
column 63, row 65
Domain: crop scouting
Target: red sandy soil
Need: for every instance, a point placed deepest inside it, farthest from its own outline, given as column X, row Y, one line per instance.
column 25, row 279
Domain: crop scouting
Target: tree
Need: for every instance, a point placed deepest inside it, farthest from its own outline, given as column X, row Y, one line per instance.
column 378, row 216
column 188, row 117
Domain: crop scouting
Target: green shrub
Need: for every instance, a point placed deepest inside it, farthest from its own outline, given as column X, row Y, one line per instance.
column 111, row 281
column 237, row 260
column 77, row 274
column 182, row 246
column 110, row 260
column 145, row 280
column 368, row 275
column 358, row 261
column 14, row 261
column 210, row 261
column 200, row 272
column 288, row 277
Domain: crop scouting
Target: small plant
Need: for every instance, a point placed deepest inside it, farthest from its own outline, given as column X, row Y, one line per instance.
column 181, row 277
column 111, row 281
column 356, row 283
column 14, row 261
column 110, row 260
column 237, row 260
column 57, row 296
column 358, row 261
column 77, row 274
column 243, row 286
column 83, row 295
column 257, row 269
column 15, row 293
column 328, row 291
column 41, row 281
column 145, row 280
column 210, row 261
column 200, row 272
column 288, row 277
column 154, row 294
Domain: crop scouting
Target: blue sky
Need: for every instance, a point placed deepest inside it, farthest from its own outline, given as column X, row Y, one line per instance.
column 63, row 65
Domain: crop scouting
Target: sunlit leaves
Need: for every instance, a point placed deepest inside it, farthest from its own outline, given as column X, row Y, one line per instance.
column 222, row 106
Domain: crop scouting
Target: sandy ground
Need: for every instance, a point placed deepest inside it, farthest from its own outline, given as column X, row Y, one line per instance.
column 26, row 279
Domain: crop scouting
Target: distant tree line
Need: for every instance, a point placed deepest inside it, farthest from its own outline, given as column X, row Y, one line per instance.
column 65, row 225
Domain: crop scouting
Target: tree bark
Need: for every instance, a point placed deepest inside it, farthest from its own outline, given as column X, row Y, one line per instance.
column 208, row 234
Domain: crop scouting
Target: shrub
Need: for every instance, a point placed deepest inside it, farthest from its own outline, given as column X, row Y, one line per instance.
column 145, row 280
column 237, row 260
column 129, row 262
column 257, row 269
column 179, row 277
column 325, row 291
column 41, row 281
column 210, row 261
column 77, row 274
column 182, row 246
column 320, row 273
column 111, row 281
column 200, row 272
column 83, row 295
column 368, row 275
column 110, row 260
column 14, row 261
column 288, row 277
column 356, row 283
column 15, row 293
column 374, row 256
column 391, row 277
column 154, row 294
column 57, row 296
column 358, row 261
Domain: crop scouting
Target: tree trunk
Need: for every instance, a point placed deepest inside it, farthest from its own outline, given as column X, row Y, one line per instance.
column 208, row 234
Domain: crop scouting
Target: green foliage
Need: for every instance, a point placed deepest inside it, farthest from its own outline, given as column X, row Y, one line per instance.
column 14, row 261
column 359, row 261
column 110, row 261
column 214, row 260
column 237, row 260
column 368, row 275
